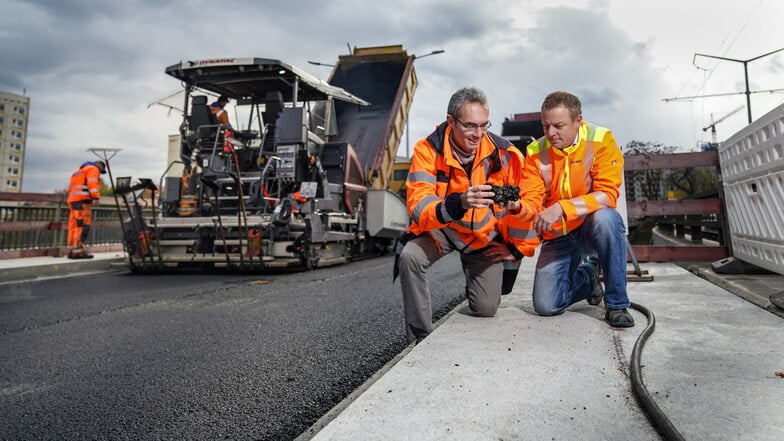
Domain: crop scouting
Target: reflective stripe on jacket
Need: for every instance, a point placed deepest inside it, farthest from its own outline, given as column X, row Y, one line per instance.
column 84, row 185
column 591, row 180
column 436, row 173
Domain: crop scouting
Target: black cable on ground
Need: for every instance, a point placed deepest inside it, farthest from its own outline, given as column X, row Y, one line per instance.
column 657, row 417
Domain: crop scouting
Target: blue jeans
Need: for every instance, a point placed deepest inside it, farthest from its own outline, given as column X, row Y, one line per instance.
column 561, row 280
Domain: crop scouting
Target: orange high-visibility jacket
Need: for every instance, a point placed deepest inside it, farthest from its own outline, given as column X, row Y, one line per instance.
column 582, row 178
column 84, row 185
column 435, row 173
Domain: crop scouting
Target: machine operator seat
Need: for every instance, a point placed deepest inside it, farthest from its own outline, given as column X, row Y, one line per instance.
column 202, row 122
column 273, row 106
column 201, row 114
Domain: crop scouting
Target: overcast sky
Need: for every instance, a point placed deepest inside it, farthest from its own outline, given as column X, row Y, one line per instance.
column 92, row 67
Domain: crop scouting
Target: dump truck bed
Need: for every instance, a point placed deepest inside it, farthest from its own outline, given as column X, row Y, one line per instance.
column 384, row 77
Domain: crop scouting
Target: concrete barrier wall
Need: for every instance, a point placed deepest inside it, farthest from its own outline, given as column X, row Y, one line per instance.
column 752, row 165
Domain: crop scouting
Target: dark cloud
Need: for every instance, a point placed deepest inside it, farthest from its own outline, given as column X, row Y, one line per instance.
column 92, row 67
column 72, row 10
column 602, row 98
column 420, row 26
column 65, row 39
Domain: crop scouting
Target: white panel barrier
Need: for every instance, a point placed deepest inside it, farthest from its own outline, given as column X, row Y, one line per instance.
column 752, row 166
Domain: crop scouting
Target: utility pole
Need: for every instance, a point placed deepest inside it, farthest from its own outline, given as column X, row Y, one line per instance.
column 435, row 52
column 745, row 71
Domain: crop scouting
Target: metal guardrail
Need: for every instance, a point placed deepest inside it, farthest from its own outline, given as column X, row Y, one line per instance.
column 699, row 227
column 36, row 224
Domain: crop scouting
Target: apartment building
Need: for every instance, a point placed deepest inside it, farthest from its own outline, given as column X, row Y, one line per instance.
column 14, row 112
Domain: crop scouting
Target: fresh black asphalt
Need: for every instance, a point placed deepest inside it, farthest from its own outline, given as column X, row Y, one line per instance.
column 198, row 356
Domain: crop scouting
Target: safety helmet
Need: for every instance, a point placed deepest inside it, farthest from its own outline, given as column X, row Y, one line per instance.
column 101, row 166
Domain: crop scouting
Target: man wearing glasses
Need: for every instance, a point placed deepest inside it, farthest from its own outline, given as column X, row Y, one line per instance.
column 575, row 172
column 450, row 201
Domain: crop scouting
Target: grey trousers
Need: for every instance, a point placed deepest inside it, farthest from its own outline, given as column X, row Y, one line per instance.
column 483, row 282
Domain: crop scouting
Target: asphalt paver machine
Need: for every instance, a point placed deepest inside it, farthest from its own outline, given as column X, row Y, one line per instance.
column 297, row 180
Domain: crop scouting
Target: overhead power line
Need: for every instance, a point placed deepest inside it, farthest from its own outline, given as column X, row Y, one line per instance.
column 746, row 74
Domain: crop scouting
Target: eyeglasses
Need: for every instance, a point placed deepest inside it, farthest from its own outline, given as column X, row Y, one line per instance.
column 471, row 127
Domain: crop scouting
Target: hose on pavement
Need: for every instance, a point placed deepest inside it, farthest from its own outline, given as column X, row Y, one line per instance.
column 660, row 421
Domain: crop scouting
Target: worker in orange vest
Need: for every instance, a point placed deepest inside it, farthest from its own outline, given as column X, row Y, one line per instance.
column 575, row 173
column 218, row 110
column 450, row 201
column 83, row 192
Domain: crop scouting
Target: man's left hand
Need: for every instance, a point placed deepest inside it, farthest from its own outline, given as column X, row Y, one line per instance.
column 511, row 205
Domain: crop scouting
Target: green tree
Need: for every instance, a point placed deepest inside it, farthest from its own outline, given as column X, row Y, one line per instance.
column 105, row 189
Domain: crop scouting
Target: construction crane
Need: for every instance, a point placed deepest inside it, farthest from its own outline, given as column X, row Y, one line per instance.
column 713, row 123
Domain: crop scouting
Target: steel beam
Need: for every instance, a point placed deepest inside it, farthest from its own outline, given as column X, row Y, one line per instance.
column 678, row 253
column 672, row 208
column 672, row 160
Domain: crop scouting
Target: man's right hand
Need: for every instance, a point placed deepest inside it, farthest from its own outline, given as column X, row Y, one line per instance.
column 548, row 217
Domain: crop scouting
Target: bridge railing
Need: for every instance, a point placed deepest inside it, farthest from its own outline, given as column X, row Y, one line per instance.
column 696, row 215
column 698, row 227
column 36, row 224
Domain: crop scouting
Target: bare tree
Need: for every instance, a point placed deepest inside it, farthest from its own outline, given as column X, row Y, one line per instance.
column 694, row 180
column 645, row 184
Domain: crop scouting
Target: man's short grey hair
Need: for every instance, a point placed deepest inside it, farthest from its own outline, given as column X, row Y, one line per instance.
column 467, row 94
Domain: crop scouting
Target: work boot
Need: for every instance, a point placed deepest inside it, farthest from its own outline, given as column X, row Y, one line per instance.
column 79, row 254
column 598, row 290
column 619, row 318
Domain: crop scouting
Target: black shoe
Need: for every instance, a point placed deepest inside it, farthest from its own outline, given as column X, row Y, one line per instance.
column 82, row 255
column 598, row 290
column 619, row 318
column 508, row 280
